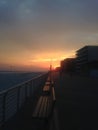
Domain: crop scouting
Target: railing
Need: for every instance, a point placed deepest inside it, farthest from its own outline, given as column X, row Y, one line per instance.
column 13, row 99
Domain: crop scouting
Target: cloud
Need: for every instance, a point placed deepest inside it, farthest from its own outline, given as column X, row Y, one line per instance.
column 47, row 25
column 71, row 14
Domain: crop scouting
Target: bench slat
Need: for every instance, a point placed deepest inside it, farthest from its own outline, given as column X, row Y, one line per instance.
column 42, row 107
column 37, row 107
column 45, row 108
column 49, row 108
column 53, row 94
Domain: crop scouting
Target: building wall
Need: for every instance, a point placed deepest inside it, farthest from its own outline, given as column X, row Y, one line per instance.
column 93, row 53
column 68, row 65
column 87, row 59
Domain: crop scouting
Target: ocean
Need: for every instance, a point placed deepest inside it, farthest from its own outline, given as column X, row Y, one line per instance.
column 10, row 79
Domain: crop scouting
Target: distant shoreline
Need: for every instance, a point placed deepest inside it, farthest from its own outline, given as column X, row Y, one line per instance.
column 21, row 71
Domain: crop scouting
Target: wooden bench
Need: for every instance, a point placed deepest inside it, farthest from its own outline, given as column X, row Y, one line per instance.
column 46, row 89
column 45, row 105
column 47, row 83
column 46, row 101
column 43, row 108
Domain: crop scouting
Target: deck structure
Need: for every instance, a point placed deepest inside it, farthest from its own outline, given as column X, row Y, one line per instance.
column 76, row 106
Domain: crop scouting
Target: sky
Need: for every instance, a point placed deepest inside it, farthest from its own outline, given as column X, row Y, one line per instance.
column 37, row 33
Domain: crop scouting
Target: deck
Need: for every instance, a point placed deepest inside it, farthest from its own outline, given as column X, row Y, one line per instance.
column 76, row 106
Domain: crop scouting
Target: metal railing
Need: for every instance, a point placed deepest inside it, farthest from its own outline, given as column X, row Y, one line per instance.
column 12, row 100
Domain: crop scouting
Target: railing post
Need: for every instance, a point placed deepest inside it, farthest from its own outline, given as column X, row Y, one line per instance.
column 29, row 89
column 18, row 98
column 32, row 88
column 25, row 90
column 4, row 108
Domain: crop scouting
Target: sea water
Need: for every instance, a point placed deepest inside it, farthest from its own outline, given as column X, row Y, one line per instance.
column 10, row 79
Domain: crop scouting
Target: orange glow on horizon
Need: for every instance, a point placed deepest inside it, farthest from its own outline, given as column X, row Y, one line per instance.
column 42, row 60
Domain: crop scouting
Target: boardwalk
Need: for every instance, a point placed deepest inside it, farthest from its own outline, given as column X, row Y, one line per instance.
column 76, row 106
column 77, row 103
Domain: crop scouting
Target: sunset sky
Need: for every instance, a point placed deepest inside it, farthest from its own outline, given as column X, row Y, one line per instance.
column 36, row 33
